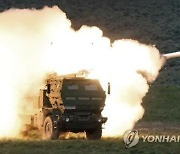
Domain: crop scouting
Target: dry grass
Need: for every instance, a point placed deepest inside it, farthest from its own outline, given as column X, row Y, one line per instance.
column 110, row 146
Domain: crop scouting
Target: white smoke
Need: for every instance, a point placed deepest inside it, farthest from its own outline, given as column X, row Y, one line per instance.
column 36, row 42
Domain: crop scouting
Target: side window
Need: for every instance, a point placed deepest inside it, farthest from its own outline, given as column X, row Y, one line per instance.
column 73, row 87
column 91, row 87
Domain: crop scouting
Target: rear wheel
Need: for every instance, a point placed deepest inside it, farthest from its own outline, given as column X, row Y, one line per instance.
column 94, row 133
column 49, row 132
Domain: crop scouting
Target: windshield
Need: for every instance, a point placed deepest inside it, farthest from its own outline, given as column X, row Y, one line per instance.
column 81, row 85
column 82, row 88
column 91, row 87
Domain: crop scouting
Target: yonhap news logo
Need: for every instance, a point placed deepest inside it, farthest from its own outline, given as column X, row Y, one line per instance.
column 132, row 138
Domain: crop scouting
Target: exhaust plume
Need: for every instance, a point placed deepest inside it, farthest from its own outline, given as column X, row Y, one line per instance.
column 172, row 55
column 37, row 42
column 165, row 57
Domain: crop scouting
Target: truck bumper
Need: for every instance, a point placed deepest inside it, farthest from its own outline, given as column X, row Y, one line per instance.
column 78, row 123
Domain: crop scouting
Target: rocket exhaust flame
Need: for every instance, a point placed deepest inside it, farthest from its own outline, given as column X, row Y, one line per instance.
column 35, row 43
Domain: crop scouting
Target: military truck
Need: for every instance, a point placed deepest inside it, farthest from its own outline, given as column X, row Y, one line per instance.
column 70, row 103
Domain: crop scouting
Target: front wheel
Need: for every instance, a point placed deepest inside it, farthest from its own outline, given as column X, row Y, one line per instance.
column 49, row 132
column 94, row 133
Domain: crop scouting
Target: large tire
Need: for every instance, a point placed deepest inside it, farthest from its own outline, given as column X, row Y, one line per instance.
column 94, row 133
column 49, row 132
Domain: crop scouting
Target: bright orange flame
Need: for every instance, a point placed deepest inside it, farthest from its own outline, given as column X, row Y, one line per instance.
column 34, row 43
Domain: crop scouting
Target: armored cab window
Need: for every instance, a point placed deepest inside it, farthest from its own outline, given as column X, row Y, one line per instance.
column 72, row 87
column 91, row 87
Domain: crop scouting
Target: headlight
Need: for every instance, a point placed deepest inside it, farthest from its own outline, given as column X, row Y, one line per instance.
column 67, row 119
column 99, row 120
column 102, row 120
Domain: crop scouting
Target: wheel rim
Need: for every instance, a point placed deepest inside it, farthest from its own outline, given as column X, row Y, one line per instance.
column 48, row 129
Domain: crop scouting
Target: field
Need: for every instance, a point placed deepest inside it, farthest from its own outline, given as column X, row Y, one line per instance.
column 110, row 146
column 154, row 22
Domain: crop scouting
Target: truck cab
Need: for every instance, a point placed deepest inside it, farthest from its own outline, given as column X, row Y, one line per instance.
column 70, row 104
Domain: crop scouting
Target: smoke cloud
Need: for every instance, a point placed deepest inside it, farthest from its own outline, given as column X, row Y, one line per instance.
column 36, row 42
